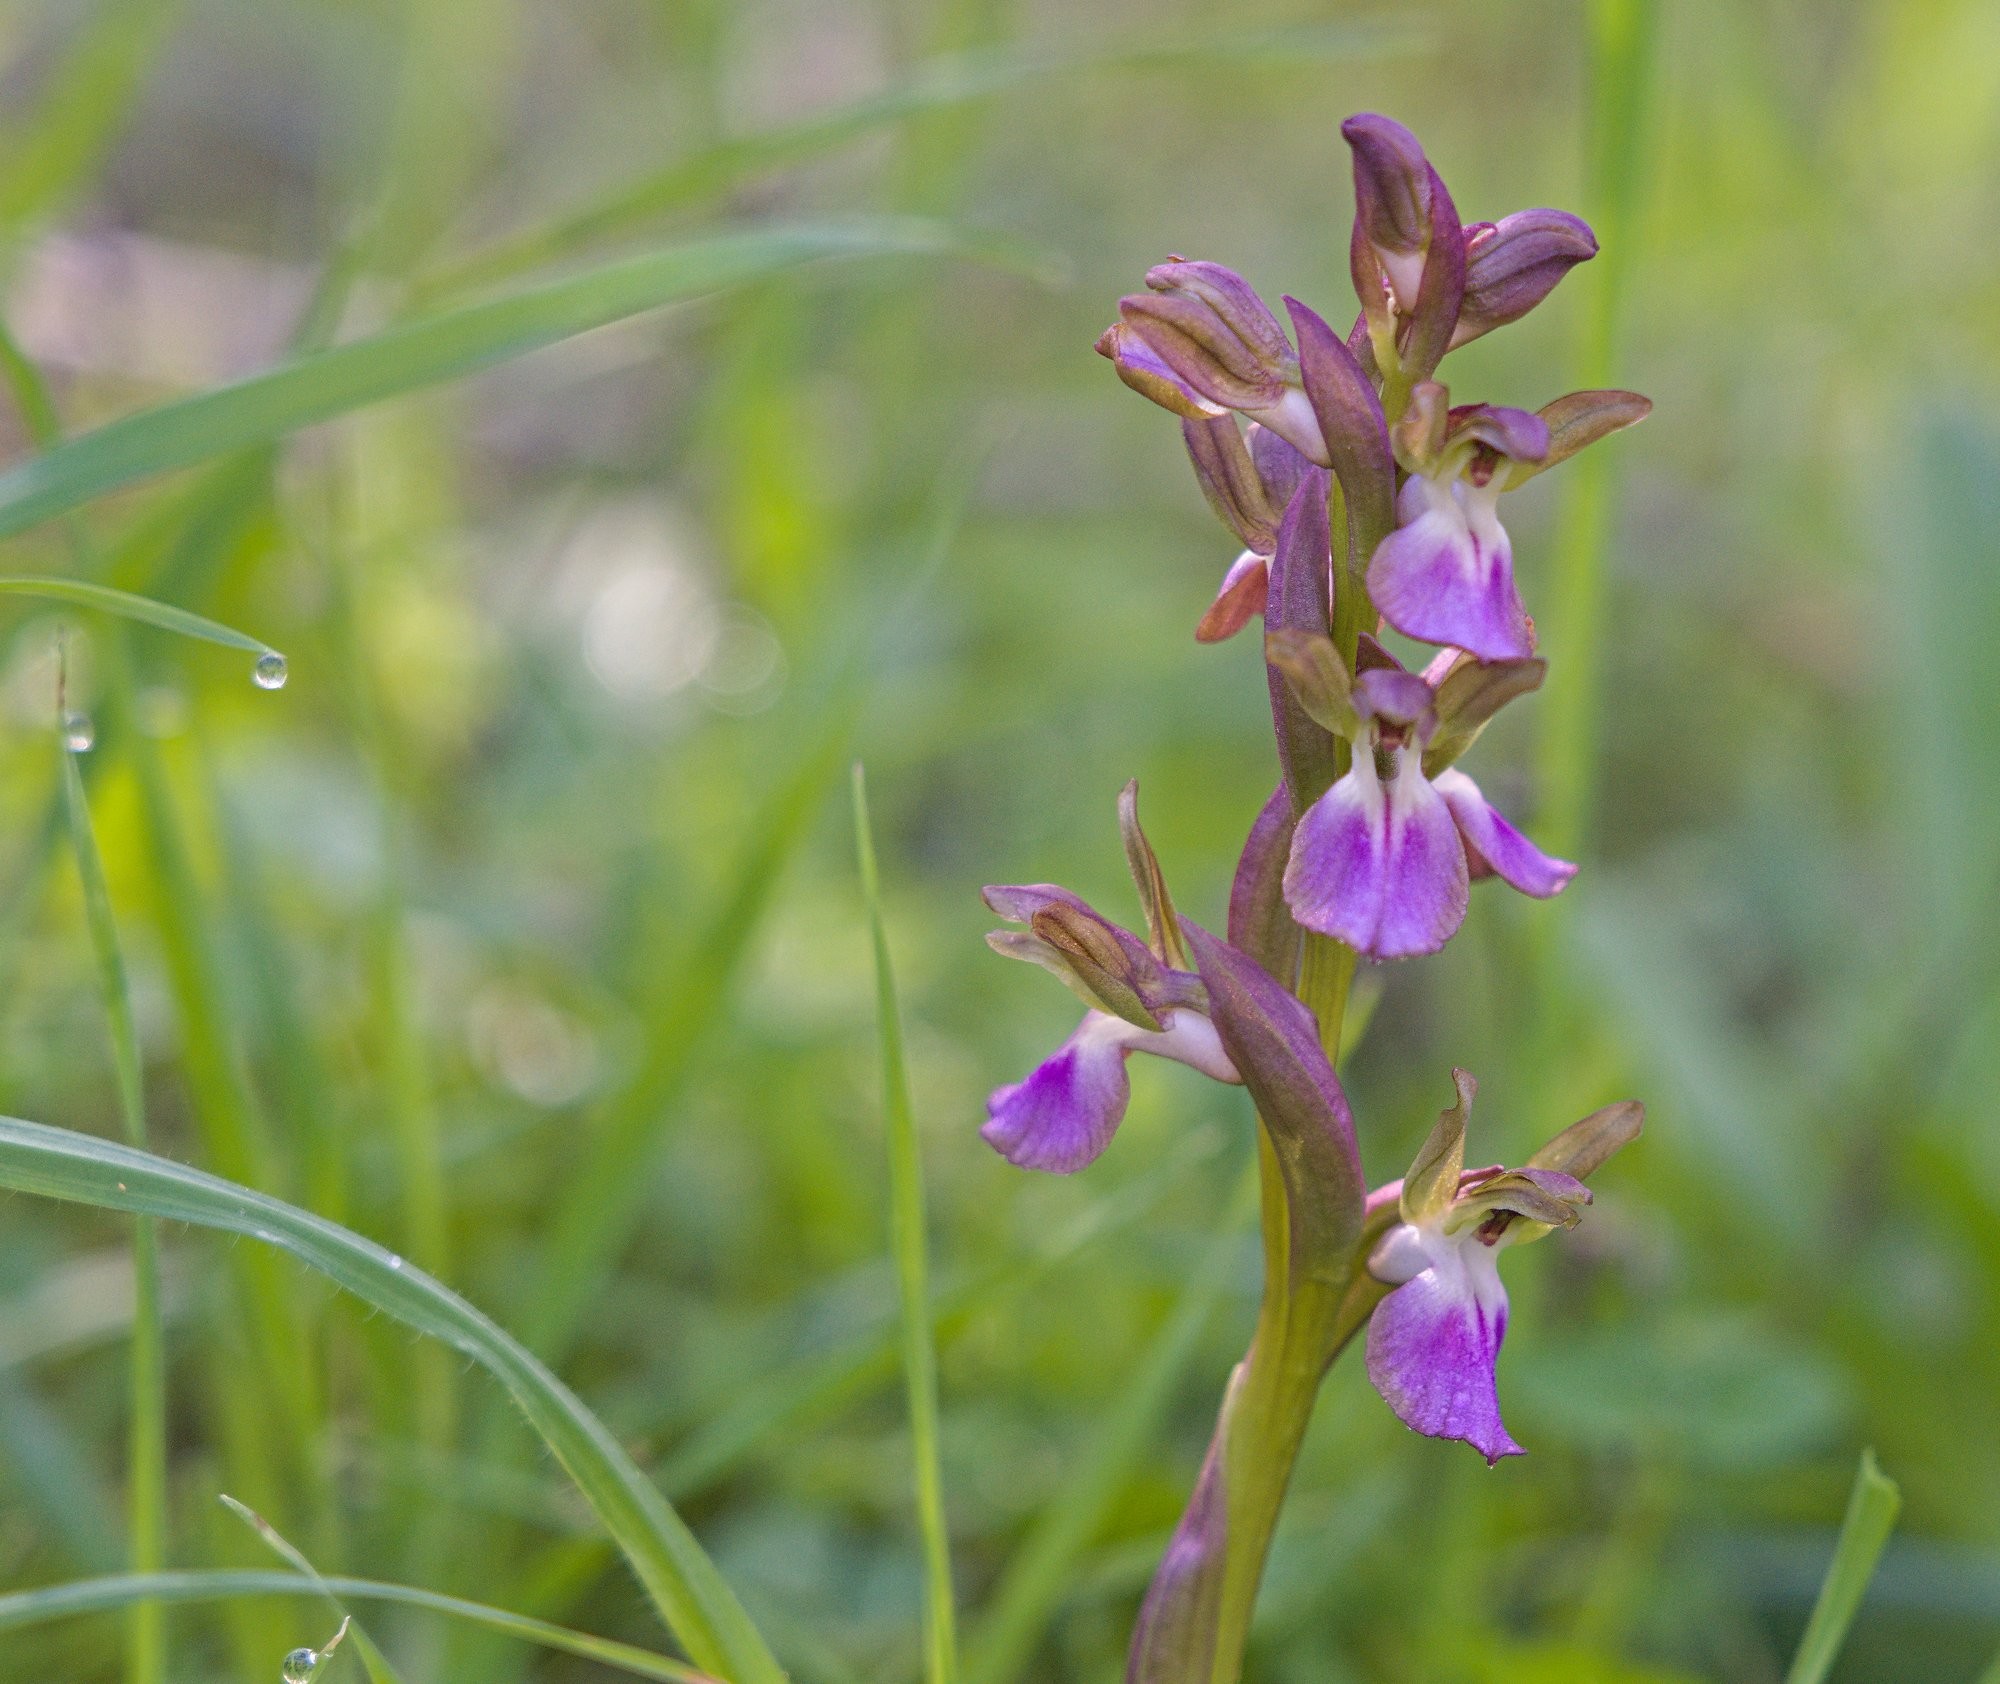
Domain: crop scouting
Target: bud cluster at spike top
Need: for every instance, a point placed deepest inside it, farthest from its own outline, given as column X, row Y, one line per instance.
column 1362, row 497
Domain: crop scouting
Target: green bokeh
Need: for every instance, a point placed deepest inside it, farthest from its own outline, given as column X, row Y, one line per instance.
column 573, row 647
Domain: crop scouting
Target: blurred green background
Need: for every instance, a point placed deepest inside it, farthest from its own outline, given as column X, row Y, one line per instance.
column 521, row 930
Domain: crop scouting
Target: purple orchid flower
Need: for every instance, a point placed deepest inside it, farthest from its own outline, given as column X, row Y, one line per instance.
column 1144, row 996
column 1446, row 574
column 1433, row 1342
column 1384, row 859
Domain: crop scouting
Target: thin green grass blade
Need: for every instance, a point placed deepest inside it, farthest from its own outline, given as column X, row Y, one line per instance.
column 907, row 1242
column 1623, row 44
column 814, row 1389
column 1992, row 1673
column 683, row 1583
column 379, row 1669
column 81, row 111
column 601, row 1201
column 1043, row 1569
column 81, row 593
column 407, row 358
column 146, row 1474
column 943, row 84
column 1871, row 1516
column 25, row 1608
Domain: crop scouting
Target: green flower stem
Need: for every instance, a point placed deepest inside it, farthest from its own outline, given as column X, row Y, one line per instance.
column 1301, row 1327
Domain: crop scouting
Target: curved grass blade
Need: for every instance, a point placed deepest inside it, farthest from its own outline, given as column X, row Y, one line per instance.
column 379, row 1669
column 146, row 1475
column 81, row 593
column 942, row 84
column 906, row 1227
column 1871, row 1516
column 91, row 1596
column 683, row 1583
column 447, row 346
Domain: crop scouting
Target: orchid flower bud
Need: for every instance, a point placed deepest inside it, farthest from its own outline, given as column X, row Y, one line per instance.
column 1407, row 254
column 1434, row 1342
column 1201, row 342
column 1513, row 264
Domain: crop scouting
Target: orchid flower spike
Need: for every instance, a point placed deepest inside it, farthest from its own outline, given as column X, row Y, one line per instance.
column 1144, row 996
column 1383, row 860
column 1446, row 574
column 1201, row 343
column 1434, row 1341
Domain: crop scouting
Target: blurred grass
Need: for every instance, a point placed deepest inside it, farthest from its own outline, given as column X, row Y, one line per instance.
column 521, row 918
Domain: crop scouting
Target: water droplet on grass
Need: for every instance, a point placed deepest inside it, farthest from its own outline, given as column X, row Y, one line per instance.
column 299, row 1666
column 77, row 732
column 270, row 672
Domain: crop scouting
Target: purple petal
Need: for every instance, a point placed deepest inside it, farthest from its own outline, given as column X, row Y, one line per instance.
column 1242, row 596
column 1064, row 1115
column 1446, row 575
column 1497, row 843
column 1381, row 867
column 1432, row 1346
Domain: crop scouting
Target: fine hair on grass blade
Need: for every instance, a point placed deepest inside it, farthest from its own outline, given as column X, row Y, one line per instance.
column 146, row 1500
column 907, row 1241
column 1871, row 1516
column 683, row 1583
column 22, row 1609
column 320, row 385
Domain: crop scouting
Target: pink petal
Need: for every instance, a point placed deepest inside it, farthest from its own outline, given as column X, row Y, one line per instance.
column 1064, row 1115
column 1379, row 867
column 1241, row 596
column 1432, row 1346
column 1497, row 843
column 1446, row 575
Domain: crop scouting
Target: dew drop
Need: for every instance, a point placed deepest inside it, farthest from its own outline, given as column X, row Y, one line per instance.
column 270, row 671
column 77, row 732
column 299, row 1666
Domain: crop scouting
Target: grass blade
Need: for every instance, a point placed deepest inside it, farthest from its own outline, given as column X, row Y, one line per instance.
column 1042, row 1571
column 26, row 1608
column 104, row 598
column 683, row 1583
column 85, row 105
column 1871, row 1516
column 943, row 84
column 602, row 1200
column 447, row 346
column 906, row 1226
column 379, row 1669
column 146, row 1504
column 1623, row 38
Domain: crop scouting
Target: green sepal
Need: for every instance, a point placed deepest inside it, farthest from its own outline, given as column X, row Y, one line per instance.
column 1469, row 695
column 1316, row 676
